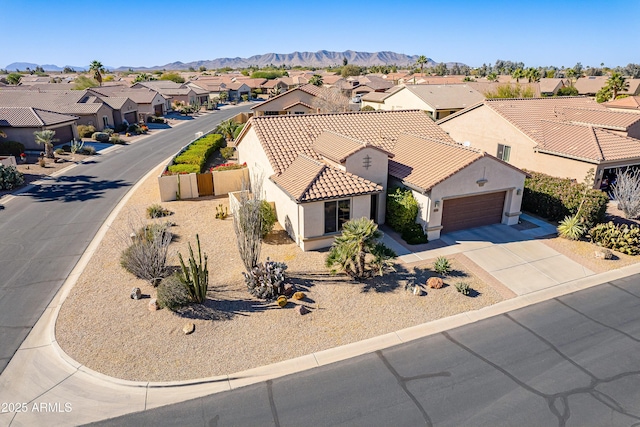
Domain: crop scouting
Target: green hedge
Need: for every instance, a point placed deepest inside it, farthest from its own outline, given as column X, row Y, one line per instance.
column 11, row 148
column 199, row 151
column 175, row 169
column 555, row 198
column 402, row 208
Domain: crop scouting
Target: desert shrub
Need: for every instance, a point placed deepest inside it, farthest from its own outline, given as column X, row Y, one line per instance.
column 59, row 151
column 195, row 275
column 402, row 208
column 66, row 148
column 621, row 238
column 367, row 108
column 146, row 257
column 134, row 129
column 155, row 119
column 556, row 198
column 413, row 234
column 11, row 148
column 266, row 280
column 177, row 169
column 10, row 177
column 88, row 150
column 571, row 228
column 121, row 127
column 463, row 288
column 100, row 136
column 86, row 131
column 115, row 139
column 442, row 265
column 172, row 294
column 227, row 152
column 108, row 131
column 228, row 166
column 157, row 211
column 267, row 217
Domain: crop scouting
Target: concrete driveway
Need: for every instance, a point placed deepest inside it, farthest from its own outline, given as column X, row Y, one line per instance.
column 513, row 257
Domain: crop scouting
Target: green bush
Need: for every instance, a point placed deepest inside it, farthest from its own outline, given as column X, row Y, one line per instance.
column 268, row 217
column 199, row 151
column 367, row 108
column 621, row 238
column 11, row 148
column 134, row 129
column 85, row 131
column 172, row 294
column 463, row 288
column 100, row 136
column 402, row 208
column 413, row 234
column 227, row 152
column 442, row 266
column 108, row 131
column 178, row 169
column 557, row 198
column 10, row 177
column 155, row 119
column 115, row 139
column 157, row 211
column 88, row 151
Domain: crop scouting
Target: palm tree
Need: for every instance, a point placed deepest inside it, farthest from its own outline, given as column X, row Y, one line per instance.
column 492, row 77
column 223, row 97
column 570, row 73
column 45, row 137
column 228, row 128
column 421, row 61
column 97, row 68
column 617, row 83
column 349, row 250
column 275, row 91
column 316, row 80
column 532, row 74
column 517, row 74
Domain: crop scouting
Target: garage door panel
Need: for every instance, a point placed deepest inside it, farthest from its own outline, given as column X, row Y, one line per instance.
column 472, row 211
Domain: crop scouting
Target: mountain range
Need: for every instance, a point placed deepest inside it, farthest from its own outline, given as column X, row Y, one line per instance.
column 319, row 59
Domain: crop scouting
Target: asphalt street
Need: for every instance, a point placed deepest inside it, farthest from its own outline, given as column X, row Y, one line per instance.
column 569, row 361
column 45, row 230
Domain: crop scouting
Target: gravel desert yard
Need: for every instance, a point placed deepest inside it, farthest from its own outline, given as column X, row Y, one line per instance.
column 101, row 327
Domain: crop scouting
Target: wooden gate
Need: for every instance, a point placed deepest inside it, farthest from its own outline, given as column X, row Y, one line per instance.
column 205, row 184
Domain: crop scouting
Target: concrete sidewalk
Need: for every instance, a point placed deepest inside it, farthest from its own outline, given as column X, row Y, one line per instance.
column 46, row 387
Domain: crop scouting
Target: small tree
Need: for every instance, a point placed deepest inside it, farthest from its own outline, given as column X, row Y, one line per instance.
column 46, row 138
column 349, row 251
column 626, row 191
column 247, row 222
column 316, row 80
column 97, row 69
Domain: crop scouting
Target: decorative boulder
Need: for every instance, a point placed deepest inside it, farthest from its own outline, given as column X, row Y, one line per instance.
column 435, row 283
column 188, row 328
column 288, row 289
column 299, row 295
column 153, row 305
column 136, row 293
column 417, row 291
column 302, row 310
column 603, row 253
column 282, row 301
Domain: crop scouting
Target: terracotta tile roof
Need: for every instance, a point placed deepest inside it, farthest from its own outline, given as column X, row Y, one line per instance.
column 308, row 180
column 424, row 162
column 139, row 96
column 608, row 119
column 310, row 89
column 442, row 97
column 485, row 87
column 586, row 142
column 71, row 102
column 298, row 103
column 376, row 96
column 283, row 138
column 630, row 102
column 338, row 147
column 31, row 117
column 115, row 102
column 590, row 84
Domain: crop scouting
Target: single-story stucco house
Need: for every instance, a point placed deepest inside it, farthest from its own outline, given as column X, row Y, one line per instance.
column 19, row 124
column 321, row 170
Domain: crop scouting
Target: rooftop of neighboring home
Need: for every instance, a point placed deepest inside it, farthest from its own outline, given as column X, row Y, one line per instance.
column 29, row 80
column 43, row 86
column 374, row 82
column 31, row 117
column 67, row 102
column 428, row 79
column 308, row 88
column 485, row 87
column 137, row 95
column 283, row 138
column 166, row 87
column 628, row 103
column 549, row 85
column 443, row 97
column 592, row 84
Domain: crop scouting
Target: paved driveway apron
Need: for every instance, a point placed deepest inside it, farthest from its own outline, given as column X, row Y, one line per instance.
column 513, row 257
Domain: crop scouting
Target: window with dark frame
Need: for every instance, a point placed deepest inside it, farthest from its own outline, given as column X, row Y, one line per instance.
column 504, row 152
column 336, row 213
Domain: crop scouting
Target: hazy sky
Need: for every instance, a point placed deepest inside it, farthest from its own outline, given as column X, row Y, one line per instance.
column 148, row 33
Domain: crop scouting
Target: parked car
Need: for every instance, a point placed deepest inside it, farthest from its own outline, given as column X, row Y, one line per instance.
column 357, row 99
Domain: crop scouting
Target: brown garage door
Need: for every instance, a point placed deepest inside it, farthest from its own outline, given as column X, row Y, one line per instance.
column 472, row 211
column 130, row 117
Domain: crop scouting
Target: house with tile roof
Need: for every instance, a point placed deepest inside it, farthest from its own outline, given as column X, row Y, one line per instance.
column 630, row 104
column 19, row 124
column 321, row 170
column 176, row 92
column 560, row 136
column 299, row 100
column 149, row 102
column 438, row 100
column 590, row 85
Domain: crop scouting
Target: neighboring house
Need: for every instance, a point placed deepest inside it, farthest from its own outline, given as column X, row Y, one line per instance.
column 213, row 87
column 367, row 84
column 149, row 102
column 551, row 86
column 590, row 85
column 90, row 109
column 485, row 87
column 176, row 92
column 322, row 170
column 299, row 100
column 559, row 136
column 630, row 104
column 271, row 86
column 237, row 90
column 124, row 109
column 19, row 124
column 438, row 100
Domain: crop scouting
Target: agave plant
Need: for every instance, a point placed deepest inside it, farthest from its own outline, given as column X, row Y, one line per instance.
column 571, row 227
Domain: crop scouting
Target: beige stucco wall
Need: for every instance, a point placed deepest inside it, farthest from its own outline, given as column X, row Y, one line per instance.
column 377, row 172
column 405, row 100
column 225, row 182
